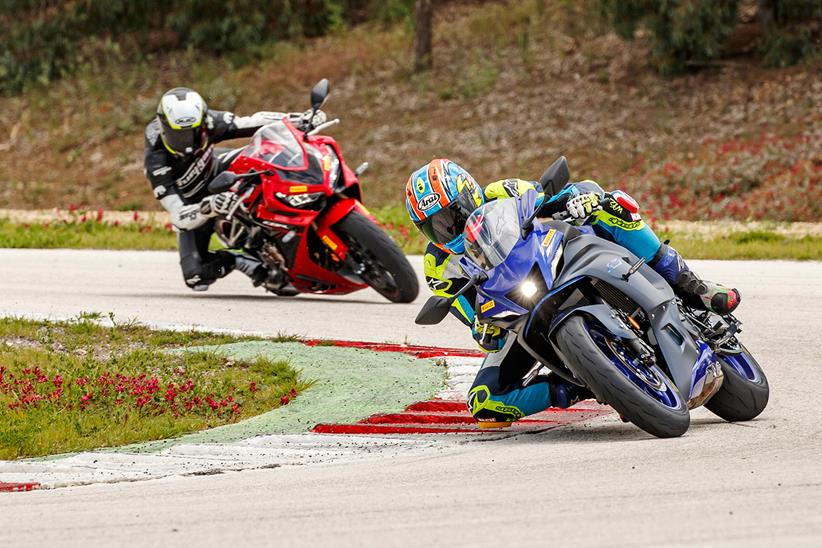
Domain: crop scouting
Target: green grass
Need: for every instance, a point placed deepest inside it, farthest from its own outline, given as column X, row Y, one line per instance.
column 87, row 235
column 78, row 385
column 752, row 244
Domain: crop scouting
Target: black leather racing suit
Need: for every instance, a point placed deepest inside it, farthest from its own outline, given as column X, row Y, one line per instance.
column 181, row 181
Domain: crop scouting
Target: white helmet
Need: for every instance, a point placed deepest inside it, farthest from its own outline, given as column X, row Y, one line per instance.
column 181, row 113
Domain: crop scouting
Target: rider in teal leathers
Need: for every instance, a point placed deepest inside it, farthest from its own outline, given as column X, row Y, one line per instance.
column 441, row 195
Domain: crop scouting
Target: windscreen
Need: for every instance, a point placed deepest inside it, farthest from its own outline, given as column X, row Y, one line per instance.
column 277, row 145
column 491, row 232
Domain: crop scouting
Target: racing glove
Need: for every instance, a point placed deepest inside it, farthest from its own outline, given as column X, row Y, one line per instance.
column 304, row 120
column 218, row 204
column 490, row 338
column 580, row 207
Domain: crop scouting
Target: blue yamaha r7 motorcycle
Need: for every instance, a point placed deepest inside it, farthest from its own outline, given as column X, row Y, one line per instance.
column 594, row 314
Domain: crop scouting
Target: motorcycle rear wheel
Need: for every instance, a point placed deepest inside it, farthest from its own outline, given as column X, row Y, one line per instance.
column 387, row 270
column 744, row 392
column 607, row 370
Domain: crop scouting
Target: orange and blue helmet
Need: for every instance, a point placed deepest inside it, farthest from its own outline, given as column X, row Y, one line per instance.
column 439, row 197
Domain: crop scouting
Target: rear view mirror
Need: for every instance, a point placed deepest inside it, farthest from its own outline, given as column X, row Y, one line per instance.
column 433, row 311
column 319, row 93
column 222, row 182
column 555, row 177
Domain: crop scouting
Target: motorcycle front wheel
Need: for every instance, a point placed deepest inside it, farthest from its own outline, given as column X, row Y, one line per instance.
column 384, row 266
column 642, row 394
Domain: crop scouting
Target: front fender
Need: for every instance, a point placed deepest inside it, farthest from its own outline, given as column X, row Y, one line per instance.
column 602, row 313
column 331, row 216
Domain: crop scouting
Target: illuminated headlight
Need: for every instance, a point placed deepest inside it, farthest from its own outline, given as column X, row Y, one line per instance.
column 299, row 200
column 528, row 289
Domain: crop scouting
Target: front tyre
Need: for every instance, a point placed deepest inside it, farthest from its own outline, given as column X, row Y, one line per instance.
column 643, row 395
column 744, row 392
column 385, row 268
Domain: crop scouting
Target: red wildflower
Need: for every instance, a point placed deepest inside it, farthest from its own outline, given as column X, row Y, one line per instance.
column 99, row 214
column 136, row 215
column 252, row 387
column 284, row 400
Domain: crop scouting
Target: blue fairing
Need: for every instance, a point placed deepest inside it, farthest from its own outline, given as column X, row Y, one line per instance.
column 540, row 248
column 589, row 257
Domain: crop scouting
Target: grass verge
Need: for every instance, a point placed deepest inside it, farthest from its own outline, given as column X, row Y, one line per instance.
column 737, row 243
column 85, row 235
column 748, row 245
column 77, row 385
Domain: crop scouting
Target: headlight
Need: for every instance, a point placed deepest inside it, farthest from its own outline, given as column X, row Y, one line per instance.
column 528, row 289
column 299, row 200
column 334, row 170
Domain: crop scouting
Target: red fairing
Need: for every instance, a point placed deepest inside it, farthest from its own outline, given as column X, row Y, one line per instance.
column 309, row 190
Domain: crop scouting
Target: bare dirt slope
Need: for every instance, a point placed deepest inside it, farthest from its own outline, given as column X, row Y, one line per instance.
column 511, row 90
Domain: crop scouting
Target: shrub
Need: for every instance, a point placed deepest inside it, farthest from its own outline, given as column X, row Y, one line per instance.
column 690, row 32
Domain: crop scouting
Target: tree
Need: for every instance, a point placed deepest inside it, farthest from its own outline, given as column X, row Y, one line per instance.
column 423, row 16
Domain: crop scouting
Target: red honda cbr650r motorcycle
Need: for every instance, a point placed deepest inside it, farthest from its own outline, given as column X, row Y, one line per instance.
column 301, row 213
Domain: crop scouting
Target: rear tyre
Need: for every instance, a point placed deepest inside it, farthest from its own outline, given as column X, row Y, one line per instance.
column 643, row 395
column 744, row 392
column 387, row 270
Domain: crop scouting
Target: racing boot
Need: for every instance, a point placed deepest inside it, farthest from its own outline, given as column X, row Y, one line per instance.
column 695, row 292
column 564, row 394
column 251, row 267
column 271, row 278
column 200, row 276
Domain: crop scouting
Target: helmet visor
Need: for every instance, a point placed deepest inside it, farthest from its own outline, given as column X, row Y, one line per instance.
column 449, row 222
column 183, row 141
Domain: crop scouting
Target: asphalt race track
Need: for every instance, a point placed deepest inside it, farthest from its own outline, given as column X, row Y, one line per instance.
column 598, row 482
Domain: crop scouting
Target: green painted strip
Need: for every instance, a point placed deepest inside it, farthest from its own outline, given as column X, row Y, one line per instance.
column 351, row 384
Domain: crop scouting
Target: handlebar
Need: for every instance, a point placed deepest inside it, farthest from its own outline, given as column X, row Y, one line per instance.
column 322, row 126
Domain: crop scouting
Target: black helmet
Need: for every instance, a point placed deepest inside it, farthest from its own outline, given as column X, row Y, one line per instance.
column 182, row 114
